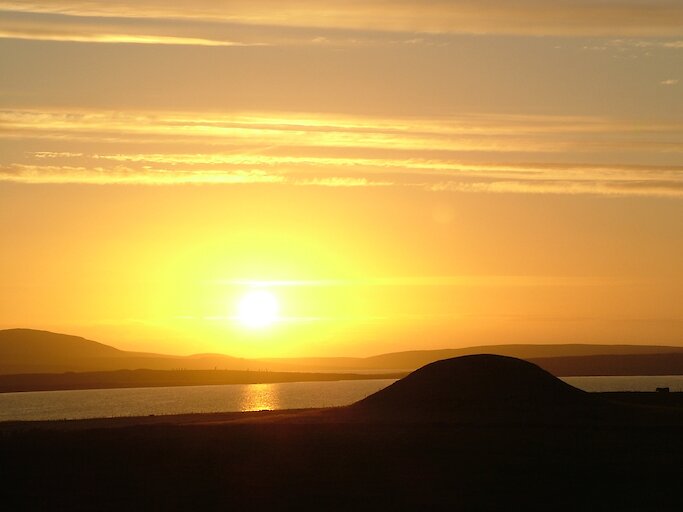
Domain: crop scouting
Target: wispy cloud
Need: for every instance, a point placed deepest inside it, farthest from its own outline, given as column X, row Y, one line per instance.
column 463, row 133
column 60, row 27
column 647, row 43
column 529, row 17
column 64, row 28
column 471, row 153
column 427, row 281
column 342, row 182
column 119, row 175
column 627, row 186
column 116, row 38
column 670, row 81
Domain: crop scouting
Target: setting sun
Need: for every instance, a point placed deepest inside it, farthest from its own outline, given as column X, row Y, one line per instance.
column 258, row 309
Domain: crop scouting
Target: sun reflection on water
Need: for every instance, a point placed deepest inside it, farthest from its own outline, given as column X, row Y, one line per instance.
column 259, row 397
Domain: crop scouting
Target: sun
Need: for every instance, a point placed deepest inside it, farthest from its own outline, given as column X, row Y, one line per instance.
column 258, row 309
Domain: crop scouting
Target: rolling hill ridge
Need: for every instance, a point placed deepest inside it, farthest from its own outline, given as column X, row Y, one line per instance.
column 34, row 351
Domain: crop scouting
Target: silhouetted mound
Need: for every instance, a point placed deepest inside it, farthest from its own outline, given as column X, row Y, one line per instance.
column 477, row 382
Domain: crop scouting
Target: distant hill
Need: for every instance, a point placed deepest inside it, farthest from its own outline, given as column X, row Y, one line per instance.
column 411, row 360
column 418, row 358
column 613, row 364
column 23, row 344
column 33, row 351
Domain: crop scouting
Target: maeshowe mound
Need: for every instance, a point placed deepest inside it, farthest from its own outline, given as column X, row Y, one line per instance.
column 488, row 383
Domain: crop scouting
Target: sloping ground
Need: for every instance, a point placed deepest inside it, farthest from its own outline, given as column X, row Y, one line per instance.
column 477, row 381
column 497, row 390
column 24, row 351
column 23, row 344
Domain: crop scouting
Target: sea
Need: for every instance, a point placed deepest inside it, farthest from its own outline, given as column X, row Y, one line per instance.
column 107, row 403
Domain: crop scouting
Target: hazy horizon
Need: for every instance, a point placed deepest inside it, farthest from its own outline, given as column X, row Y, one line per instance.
column 556, row 346
column 275, row 179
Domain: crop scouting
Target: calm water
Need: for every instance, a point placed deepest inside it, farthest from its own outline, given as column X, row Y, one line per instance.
column 96, row 403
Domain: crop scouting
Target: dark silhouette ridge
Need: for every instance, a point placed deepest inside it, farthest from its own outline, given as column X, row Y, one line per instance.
column 18, row 344
column 24, row 351
column 613, row 364
column 489, row 389
column 414, row 359
column 485, row 384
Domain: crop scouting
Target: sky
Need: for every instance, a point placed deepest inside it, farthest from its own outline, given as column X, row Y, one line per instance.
column 396, row 175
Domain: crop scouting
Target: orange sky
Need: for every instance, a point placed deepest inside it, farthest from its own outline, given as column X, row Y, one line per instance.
column 399, row 175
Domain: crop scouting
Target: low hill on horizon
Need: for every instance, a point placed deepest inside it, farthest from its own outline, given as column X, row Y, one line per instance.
column 414, row 359
column 483, row 383
column 35, row 351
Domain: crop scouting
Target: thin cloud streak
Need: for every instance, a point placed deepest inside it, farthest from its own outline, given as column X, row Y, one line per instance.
column 485, row 133
column 462, row 280
column 535, row 180
column 290, row 150
column 116, row 39
column 620, row 188
column 70, row 28
column 525, row 17
column 34, row 174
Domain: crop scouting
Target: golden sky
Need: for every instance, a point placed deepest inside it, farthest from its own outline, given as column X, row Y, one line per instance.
column 399, row 175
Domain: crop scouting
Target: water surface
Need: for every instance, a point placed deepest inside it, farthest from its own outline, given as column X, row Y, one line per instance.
column 102, row 403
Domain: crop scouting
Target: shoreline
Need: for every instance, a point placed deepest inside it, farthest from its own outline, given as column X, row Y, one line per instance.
column 147, row 378
column 124, row 379
column 648, row 399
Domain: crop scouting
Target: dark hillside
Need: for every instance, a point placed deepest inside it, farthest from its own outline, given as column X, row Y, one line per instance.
column 485, row 384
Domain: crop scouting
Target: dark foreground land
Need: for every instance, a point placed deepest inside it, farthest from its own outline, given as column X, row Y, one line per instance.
column 296, row 460
column 553, row 449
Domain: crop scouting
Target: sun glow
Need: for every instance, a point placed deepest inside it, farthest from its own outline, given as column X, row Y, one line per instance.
column 258, row 309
